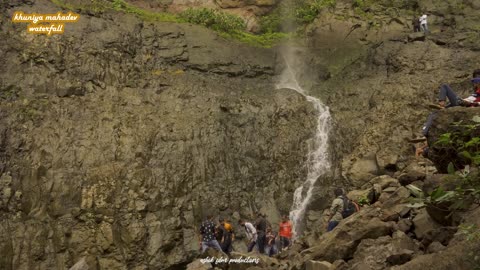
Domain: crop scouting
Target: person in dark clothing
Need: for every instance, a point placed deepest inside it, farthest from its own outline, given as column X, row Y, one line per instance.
column 446, row 92
column 335, row 210
column 228, row 236
column 270, row 245
column 207, row 230
column 416, row 24
column 220, row 233
column 261, row 226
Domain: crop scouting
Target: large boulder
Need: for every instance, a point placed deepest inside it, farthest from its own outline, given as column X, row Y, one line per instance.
column 423, row 223
column 344, row 239
column 460, row 256
column 384, row 251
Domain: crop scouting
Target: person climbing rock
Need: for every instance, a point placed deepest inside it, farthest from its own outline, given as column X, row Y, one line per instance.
column 270, row 246
column 416, row 24
column 220, row 233
column 251, row 234
column 207, row 230
column 228, row 236
column 421, row 150
column 423, row 23
column 285, row 232
column 335, row 210
column 261, row 226
column 446, row 92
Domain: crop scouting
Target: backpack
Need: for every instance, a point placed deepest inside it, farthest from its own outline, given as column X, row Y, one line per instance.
column 349, row 207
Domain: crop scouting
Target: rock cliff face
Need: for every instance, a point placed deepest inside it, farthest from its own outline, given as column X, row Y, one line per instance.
column 118, row 137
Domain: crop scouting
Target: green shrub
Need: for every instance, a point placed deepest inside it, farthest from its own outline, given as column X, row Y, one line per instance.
column 121, row 5
column 307, row 11
column 214, row 19
column 462, row 144
column 265, row 40
column 363, row 200
column 271, row 23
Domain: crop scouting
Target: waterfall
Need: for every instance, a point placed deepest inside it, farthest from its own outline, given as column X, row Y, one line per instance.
column 318, row 160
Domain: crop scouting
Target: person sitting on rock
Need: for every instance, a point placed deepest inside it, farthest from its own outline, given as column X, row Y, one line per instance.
column 446, row 92
column 207, row 230
column 336, row 210
column 251, row 234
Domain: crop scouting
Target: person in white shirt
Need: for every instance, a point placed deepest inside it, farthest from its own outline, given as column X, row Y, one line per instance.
column 423, row 23
column 251, row 234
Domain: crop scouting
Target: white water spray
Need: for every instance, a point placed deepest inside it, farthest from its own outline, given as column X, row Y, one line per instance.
column 318, row 160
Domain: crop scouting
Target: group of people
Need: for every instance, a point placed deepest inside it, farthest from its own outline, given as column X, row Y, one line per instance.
column 420, row 23
column 218, row 236
column 260, row 235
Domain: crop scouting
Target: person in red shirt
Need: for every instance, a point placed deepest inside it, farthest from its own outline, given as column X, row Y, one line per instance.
column 285, row 232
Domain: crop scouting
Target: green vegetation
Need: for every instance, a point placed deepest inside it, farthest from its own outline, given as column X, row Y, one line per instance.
column 462, row 143
column 265, row 40
column 121, row 5
column 227, row 25
column 271, row 23
column 295, row 13
column 214, row 19
column 472, row 235
column 308, row 10
column 363, row 200
column 460, row 146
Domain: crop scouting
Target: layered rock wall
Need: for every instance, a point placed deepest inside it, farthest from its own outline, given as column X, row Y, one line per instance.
column 118, row 136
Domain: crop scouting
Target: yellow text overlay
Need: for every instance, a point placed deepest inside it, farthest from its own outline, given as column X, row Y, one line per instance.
column 48, row 24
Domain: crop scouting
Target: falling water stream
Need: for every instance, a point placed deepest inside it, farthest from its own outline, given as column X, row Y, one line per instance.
column 318, row 160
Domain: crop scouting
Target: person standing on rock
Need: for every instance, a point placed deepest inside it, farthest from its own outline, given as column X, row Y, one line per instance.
column 207, row 230
column 285, row 232
column 416, row 24
column 423, row 23
column 261, row 226
column 251, row 234
column 228, row 236
column 335, row 210
column 270, row 246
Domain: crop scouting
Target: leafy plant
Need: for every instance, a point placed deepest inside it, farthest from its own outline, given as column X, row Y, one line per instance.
column 462, row 143
column 271, row 23
column 466, row 193
column 472, row 235
column 363, row 200
column 307, row 11
column 121, row 5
